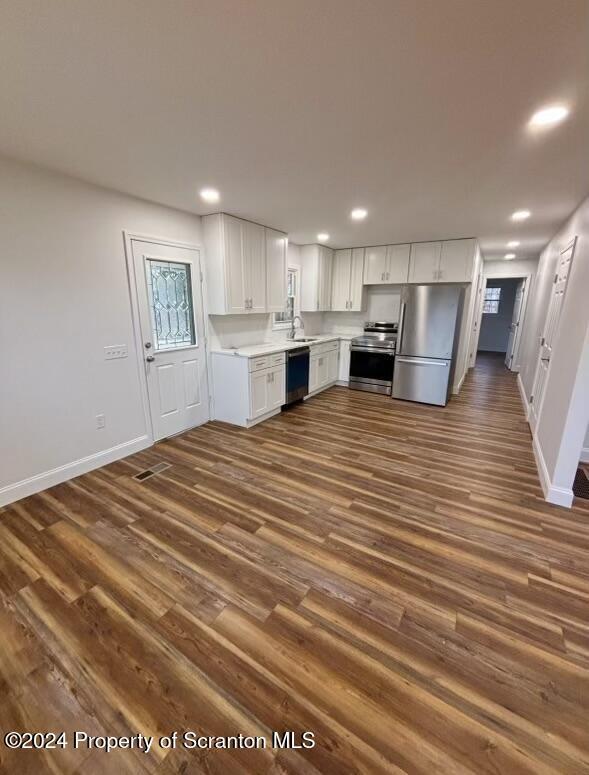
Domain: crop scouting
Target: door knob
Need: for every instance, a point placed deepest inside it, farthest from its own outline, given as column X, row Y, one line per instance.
column 150, row 358
column 147, row 345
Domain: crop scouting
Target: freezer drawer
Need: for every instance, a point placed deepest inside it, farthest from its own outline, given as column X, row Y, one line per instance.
column 421, row 379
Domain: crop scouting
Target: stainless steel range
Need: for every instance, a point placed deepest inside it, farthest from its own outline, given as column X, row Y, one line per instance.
column 372, row 358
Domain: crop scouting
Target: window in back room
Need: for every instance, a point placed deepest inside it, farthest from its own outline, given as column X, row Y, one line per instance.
column 491, row 302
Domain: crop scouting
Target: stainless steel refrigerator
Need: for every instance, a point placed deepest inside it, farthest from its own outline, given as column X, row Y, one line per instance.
column 427, row 341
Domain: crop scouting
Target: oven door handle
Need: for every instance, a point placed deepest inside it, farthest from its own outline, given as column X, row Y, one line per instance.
column 374, row 350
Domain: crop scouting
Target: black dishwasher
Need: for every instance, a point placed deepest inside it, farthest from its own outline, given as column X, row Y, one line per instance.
column 297, row 374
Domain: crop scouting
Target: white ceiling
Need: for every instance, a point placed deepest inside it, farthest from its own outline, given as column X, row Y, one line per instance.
column 299, row 110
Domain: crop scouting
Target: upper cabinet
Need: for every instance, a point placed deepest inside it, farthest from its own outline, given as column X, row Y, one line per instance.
column 276, row 246
column 241, row 278
column 451, row 261
column 386, row 264
column 346, row 285
column 457, row 261
column 375, row 262
column 317, row 267
column 424, row 262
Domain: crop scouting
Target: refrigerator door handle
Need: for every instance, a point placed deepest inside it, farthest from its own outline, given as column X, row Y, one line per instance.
column 400, row 328
column 421, row 361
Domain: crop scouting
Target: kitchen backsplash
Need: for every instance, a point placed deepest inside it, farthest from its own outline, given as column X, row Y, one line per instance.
column 382, row 303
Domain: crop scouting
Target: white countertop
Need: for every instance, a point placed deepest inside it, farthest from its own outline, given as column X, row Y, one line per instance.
column 267, row 348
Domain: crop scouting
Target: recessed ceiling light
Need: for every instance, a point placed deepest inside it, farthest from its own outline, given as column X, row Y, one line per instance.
column 509, row 256
column 552, row 114
column 520, row 215
column 358, row 214
column 323, row 236
column 210, row 195
column 513, row 244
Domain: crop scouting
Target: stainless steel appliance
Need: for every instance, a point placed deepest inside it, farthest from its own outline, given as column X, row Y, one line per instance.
column 372, row 358
column 427, row 341
column 297, row 374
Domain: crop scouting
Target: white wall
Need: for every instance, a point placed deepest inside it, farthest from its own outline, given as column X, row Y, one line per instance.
column 515, row 268
column 64, row 296
column 494, row 334
column 564, row 416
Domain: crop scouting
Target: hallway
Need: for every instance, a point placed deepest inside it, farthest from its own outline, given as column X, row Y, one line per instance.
column 381, row 573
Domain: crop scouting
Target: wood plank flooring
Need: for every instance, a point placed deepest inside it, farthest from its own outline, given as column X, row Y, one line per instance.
column 381, row 573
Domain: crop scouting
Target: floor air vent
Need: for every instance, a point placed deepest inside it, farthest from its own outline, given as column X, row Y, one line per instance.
column 156, row 469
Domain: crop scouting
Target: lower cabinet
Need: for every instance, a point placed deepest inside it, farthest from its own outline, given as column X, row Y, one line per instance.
column 344, row 361
column 323, row 366
column 247, row 390
column 267, row 391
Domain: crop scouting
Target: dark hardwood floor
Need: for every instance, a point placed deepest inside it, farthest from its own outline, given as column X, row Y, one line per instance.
column 381, row 573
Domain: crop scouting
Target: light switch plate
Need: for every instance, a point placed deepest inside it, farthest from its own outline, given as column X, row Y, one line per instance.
column 115, row 351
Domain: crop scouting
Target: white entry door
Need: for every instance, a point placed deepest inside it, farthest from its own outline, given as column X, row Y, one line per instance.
column 172, row 333
column 550, row 332
column 514, row 328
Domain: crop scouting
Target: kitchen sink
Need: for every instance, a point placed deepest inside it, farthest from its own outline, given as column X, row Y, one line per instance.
column 305, row 339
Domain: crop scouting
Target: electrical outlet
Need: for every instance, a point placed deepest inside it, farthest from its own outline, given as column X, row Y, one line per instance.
column 100, row 421
column 115, row 351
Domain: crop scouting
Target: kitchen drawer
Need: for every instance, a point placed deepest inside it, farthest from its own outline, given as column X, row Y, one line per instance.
column 324, row 347
column 265, row 361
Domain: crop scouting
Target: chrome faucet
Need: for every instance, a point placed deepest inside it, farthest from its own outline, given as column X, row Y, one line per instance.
column 290, row 334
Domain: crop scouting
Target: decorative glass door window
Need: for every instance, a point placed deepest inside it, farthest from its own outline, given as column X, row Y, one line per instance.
column 169, row 291
column 491, row 302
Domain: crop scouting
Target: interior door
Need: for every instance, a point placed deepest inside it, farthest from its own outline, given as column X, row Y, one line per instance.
column 515, row 324
column 172, row 331
column 375, row 265
column 340, row 285
column 550, row 332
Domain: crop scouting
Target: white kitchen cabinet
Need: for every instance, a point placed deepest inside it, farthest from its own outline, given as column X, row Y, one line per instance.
column 375, row 262
column 332, row 365
column 323, row 366
column 254, row 249
column 276, row 245
column 238, row 278
column 344, row 361
column 247, row 390
column 424, row 262
column 267, row 391
column 451, row 261
column 457, row 261
column 397, row 264
column 386, row 265
column 340, row 280
column 317, row 266
column 347, row 276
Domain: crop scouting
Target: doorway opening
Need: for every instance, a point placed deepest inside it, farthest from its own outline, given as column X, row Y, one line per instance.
column 503, row 307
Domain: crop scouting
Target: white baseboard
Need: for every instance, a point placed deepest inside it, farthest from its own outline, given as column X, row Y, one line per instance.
column 26, row 487
column 561, row 496
column 524, row 398
column 456, row 388
column 585, row 455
